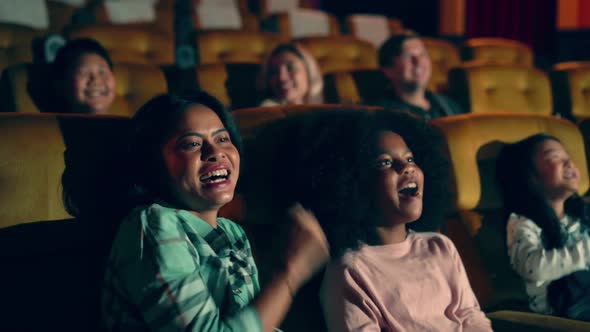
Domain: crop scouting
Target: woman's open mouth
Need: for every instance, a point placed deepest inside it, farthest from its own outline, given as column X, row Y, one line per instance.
column 216, row 176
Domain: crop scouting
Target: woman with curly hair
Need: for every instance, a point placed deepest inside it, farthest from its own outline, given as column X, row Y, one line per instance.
column 360, row 174
column 548, row 227
column 290, row 76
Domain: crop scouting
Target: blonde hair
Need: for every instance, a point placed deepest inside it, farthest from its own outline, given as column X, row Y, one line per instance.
column 314, row 94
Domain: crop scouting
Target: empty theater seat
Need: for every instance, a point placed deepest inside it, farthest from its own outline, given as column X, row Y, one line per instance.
column 494, row 87
column 477, row 226
column 233, row 46
column 355, row 87
column 232, row 83
column 130, row 44
column 302, row 22
column 149, row 15
column 223, row 15
column 373, row 28
column 37, row 234
column 16, row 44
column 26, row 88
column 444, row 56
column 497, row 50
column 570, row 82
column 341, row 53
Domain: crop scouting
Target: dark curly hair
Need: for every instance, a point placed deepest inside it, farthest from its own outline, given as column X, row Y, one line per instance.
column 325, row 161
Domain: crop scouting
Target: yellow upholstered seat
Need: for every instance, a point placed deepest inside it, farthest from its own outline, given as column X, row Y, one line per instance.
column 302, row 22
column 233, row 83
column 148, row 15
column 478, row 223
column 341, row 53
column 16, row 44
column 444, row 56
column 355, row 87
column 234, row 46
column 130, row 44
column 494, row 87
column 373, row 28
column 497, row 50
column 32, row 163
column 136, row 84
column 570, row 82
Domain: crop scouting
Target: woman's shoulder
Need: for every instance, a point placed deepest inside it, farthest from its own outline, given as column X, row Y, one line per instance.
column 231, row 227
column 154, row 217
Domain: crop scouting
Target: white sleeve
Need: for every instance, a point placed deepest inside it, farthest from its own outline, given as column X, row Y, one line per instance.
column 533, row 262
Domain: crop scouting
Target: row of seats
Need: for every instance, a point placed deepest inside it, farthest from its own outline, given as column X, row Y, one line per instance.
column 478, row 88
column 474, row 225
column 484, row 88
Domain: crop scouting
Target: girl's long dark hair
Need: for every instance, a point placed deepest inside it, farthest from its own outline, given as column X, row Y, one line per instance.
column 515, row 172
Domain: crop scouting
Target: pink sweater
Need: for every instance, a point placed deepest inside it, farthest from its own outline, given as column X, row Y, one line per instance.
column 416, row 285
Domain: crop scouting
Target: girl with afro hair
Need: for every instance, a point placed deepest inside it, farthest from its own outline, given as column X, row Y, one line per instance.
column 371, row 179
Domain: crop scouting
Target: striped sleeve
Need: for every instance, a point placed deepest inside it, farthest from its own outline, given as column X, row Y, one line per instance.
column 166, row 285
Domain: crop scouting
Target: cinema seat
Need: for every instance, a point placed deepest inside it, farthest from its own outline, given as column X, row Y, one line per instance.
column 477, row 225
column 481, row 88
column 234, row 46
column 130, row 44
column 444, row 56
column 302, row 22
column 373, row 28
column 25, row 88
column 341, row 53
column 497, row 50
column 570, row 82
column 16, row 44
column 355, row 87
column 36, row 232
column 232, row 83
column 142, row 15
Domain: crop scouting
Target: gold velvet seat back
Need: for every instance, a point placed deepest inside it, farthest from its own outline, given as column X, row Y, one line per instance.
column 484, row 88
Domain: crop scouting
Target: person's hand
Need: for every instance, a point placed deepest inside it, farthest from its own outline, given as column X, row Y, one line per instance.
column 308, row 248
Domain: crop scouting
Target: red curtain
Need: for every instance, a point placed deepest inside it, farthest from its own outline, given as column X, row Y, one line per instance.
column 530, row 21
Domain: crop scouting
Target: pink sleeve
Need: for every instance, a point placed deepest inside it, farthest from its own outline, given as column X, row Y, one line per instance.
column 346, row 306
column 467, row 306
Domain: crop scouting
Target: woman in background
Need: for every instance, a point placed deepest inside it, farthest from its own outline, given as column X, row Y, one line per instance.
column 290, row 76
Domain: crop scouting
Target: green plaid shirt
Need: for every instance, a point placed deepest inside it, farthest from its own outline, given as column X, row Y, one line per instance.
column 171, row 271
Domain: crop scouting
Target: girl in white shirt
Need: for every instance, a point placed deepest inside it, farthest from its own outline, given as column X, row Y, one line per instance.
column 547, row 229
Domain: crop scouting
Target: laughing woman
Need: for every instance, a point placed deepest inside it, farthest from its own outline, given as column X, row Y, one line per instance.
column 290, row 76
column 175, row 265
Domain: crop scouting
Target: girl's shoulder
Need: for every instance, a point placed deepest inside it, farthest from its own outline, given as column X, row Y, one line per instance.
column 517, row 222
column 432, row 239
